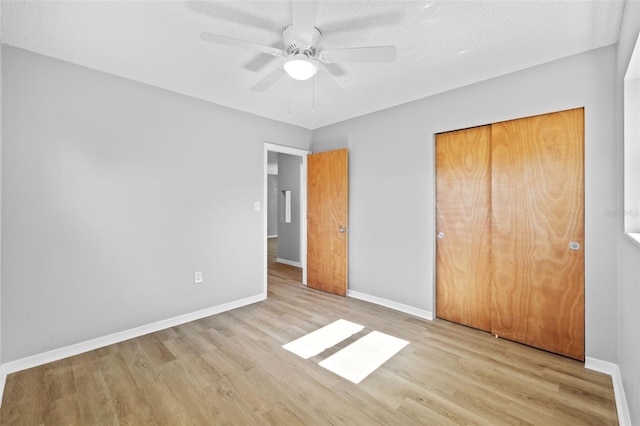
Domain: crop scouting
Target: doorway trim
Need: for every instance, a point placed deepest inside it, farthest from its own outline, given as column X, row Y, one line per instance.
column 281, row 149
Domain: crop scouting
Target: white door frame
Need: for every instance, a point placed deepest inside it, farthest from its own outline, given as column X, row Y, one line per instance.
column 270, row 147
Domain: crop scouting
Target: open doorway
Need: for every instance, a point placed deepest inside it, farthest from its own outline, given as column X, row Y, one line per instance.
column 285, row 212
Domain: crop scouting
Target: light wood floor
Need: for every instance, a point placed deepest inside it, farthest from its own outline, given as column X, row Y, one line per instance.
column 230, row 369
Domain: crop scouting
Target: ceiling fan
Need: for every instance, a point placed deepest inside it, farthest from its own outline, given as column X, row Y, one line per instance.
column 302, row 56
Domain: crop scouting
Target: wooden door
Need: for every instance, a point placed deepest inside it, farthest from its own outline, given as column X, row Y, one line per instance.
column 328, row 221
column 538, row 211
column 463, row 225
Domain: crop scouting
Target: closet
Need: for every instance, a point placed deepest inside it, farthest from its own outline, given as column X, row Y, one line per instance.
column 510, row 230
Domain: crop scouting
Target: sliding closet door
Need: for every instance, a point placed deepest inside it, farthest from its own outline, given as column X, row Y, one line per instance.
column 538, row 231
column 463, row 225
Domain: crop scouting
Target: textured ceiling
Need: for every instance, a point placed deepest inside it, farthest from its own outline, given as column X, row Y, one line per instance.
column 441, row 45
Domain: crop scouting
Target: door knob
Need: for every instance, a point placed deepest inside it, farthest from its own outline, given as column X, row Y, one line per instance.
column 574, row 245
column 342, row 229
column 440, row 235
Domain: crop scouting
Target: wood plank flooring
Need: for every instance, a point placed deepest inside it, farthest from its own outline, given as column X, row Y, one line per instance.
column 230, row 369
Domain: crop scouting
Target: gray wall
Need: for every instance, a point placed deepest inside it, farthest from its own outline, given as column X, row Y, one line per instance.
column 628, row 325
column 272, row 205
column 112, row 199
column 391, row 170
column 289, row 233
column 1, row 132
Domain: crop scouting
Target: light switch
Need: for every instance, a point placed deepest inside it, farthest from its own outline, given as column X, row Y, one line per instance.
column 256, row 206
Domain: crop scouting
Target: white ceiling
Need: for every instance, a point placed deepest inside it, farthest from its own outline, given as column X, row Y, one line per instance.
column 441, row 45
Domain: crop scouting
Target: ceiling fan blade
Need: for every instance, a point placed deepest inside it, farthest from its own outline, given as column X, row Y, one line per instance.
column 259, row 62
column 335, row 69
column 269, row 80
column 360, row 54
column 236, row 42
column 328, row 84
column 303, row 17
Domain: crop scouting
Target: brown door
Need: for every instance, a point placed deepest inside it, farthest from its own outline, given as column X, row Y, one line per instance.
column 327, row 221
column 538, row 231
column 463, row 225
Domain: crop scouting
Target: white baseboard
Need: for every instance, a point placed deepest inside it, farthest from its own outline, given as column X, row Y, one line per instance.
column 272, row 236
column 89, row 345
column 3, row 381
column 391, row 304
column 289, row 262
column 613, row 370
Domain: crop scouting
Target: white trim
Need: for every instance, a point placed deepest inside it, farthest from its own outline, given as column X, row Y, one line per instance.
column 283, row 149
column 391, row 304
column 600, row 366
column 634, row 236
column 289, row 262
column 434, row 225
column 631, row 153
column 272, row 236
column 624, row 418
column 89, row 345
column 303, row 217
column 270, row 147
column 3, row 382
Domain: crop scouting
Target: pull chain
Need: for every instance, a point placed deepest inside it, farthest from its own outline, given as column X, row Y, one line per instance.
column 313, row 94
column 288, row 97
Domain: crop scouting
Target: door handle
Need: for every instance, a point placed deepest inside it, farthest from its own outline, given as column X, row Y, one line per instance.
column 440, row 235
column 574, row 245
column 342, row 229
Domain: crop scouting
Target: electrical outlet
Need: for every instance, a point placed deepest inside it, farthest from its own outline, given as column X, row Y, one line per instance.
column 198, row 277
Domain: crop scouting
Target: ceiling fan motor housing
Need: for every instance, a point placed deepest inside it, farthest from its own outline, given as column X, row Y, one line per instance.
column 296, row 42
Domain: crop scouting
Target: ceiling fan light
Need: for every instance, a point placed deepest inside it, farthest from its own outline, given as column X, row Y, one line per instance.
column 300, row 68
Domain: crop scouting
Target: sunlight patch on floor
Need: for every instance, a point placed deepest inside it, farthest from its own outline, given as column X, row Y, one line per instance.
column 353, row 362
column 322, row 339
column 364, row 356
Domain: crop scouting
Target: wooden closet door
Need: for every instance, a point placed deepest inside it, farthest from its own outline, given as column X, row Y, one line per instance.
column 463, row 225
column 328, row 221
column 538, row 211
